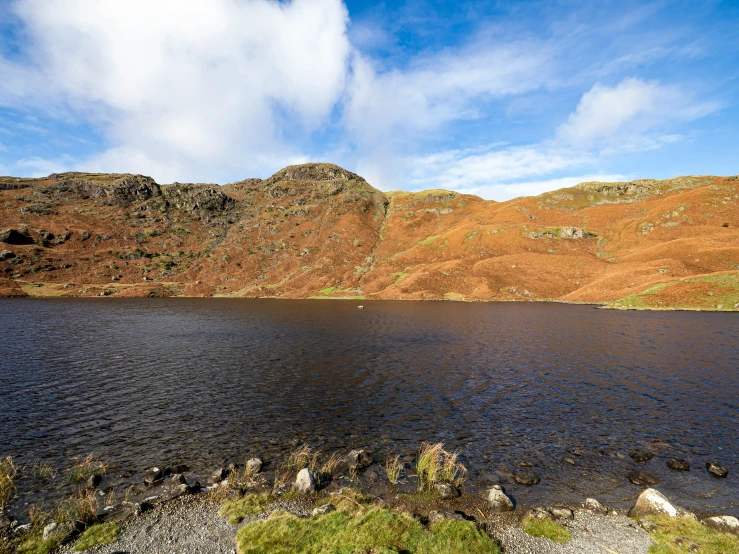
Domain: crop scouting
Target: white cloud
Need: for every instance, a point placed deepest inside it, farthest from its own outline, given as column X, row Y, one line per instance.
column 627, row 111
column 185, row 89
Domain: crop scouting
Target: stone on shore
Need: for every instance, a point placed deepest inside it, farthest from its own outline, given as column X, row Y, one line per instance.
column 717, row 470
column 723, row 524
column 254, row 466
column 62, row 530
column 640, row 455
column 219, row 475
column 444, row 515
column 6, row 520
column 94, row 481
column 499, row 501
column 322, row 510
column 642, row 478
column 592, row 505
column 678, row 465
column 306, row 481
column 561, row 513
column 153, row 475
column 446, row 491
column 358, row 459
column 651, row 502
column 527, row 478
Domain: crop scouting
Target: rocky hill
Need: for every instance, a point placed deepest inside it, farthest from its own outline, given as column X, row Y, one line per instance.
column 317, row 230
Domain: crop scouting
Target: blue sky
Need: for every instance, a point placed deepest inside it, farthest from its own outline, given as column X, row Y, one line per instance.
column 499, row 99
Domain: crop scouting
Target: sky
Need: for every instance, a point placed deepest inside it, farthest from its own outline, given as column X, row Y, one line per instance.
column 499, row 99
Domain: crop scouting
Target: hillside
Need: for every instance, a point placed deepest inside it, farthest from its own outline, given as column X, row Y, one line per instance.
column 317, row 230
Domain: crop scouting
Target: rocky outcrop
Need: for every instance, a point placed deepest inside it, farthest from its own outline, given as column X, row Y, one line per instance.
column 203, row 198
column 117, row 189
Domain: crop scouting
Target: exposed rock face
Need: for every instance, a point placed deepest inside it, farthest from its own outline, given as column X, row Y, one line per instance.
column 499, row 501
column 717, row 470
column 306, row 481
column 118, row 189
column 723, row 524
column 653, row 503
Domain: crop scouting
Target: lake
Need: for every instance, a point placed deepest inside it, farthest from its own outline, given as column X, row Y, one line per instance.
column 143, row 382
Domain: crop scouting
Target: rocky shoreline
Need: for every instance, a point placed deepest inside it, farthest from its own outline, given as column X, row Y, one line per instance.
column 172, row 511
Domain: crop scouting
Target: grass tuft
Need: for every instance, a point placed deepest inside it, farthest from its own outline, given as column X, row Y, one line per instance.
column 81, row 507
column 37, row 545
column 8, row 473
column 298, row 459
column 689, row 532
column 43, row 471
column 436, row 465
column 376, row 530
column 392, row 469
column 84, row 469
column 105, row 533
column 547, row 529
column 236, row 510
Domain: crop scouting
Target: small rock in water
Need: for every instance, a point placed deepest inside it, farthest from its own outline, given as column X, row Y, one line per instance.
column 640, row 455
column 499, row 501
column 446, row 491
column 358, row 459
column 444, row 515
column 678, row 465
column 592, row 505
column 524, row 464
column 254, row 466
column 94, row 480
column 322, row 510
column 568, row 460
column 717, row 470
column 651, row 502
column 723, row 524
column 642, row 478
column 526, row 478
column 306, row 481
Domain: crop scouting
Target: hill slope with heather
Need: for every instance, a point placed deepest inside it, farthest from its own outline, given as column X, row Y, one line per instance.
column 317, row 230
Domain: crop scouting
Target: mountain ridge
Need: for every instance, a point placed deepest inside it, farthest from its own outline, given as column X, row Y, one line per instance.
column 320, row 231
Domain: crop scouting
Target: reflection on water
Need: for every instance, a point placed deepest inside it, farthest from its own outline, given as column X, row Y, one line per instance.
column 143, row 382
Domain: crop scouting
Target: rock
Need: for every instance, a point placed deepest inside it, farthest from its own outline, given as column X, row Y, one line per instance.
column 153, row 475
column 527, row 478
column 358, row 459
column 11, row 236
column 254, row 466
column 218, row 476
column 180, row 468
column 561, row 513
column 538, row 513
column 7, row 255
column 178, row 479
column 322, row 510
column 592, row 505
column 175, row 491
column 648, row 525
column 6, row 521
column 446, row 491
column 62, row 530
column 94, row 480
column 678, row 465
column 642, row 478
column 444, row 515
column 499, row 501
column 717, row 470
column 525, row 464
column 651, row 502
column 568, row 460
column 306, row 481
column 640, row 455
column 723, row 524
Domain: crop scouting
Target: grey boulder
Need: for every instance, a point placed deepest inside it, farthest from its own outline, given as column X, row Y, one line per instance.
column 306, row 481
column 499, row 501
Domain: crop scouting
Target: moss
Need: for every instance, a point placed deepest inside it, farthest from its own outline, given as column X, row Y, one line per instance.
column 377, row 530
column 105, row 533
column 237, row 510
column 547, row 529
column 676, row 535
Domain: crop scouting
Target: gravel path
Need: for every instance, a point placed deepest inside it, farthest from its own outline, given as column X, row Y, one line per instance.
column 592, row 534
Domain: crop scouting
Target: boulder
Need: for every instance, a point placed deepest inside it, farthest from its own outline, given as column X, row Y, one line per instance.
column 62, row 530
column 642, row 478
column 717, row 470
column 306, row 481
column 592, row 505
column 219, row 476
column 7, row 255
column 561, row 513
column 446, row 491
column 322, row 510
column 444, row 515
column 153, row 475
column 723, row 524
column 640, row 455
column 180, row 468
column 94, row 481
column 527, row 478
column 11, row 236
column 678, row 465
column 254, row 466
column 499, row 501
column 651, row 502
column 358, row 459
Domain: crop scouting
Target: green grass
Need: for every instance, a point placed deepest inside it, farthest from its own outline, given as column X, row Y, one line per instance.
column 691, row 531
column 376, row 530
column 327, row 291
column 236, row 510
column 548, row 529
column 428, row 241
column 37, row 545
column 105, row 533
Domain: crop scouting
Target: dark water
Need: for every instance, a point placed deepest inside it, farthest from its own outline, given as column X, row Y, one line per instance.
column 157, row 381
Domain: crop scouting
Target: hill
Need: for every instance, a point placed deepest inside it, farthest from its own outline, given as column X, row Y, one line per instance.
column 317, row 230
